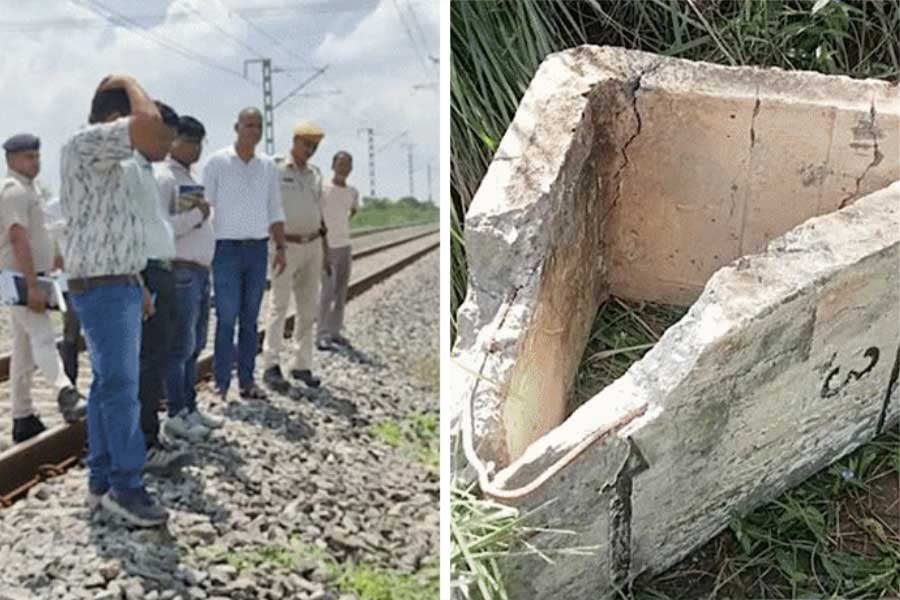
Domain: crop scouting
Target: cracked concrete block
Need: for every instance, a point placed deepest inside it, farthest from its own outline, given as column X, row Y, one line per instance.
column 665, row 180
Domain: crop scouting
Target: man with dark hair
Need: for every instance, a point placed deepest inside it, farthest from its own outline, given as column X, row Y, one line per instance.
column 105, row 252
column 339, row 203
column 25, row 246
column 195, row 244
column 109, row 102
column 243, row 190
column 160, row 283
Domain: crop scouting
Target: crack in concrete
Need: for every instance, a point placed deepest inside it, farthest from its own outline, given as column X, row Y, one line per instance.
column 876, row 158
column 756, row 107
column 634, row 86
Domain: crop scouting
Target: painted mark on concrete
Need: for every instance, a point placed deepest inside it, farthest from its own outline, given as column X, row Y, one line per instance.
column 895, row 374
column 620, row 515
column 828, row 391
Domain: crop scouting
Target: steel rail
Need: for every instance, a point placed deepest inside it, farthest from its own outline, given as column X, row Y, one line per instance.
column 52, row 452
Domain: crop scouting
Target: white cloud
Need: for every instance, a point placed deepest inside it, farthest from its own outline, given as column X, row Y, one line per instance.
column 48, row 75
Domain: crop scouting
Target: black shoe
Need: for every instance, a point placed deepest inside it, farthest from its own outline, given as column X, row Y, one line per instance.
column 306, row 376
column 26, row 428
column 71, row 405
column 275, row 380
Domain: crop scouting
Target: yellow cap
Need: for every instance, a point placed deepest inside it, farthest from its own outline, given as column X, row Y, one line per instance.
column 308, row 129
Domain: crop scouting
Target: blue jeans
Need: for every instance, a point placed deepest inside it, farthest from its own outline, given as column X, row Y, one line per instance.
column 239, row 277
column 111, row 319
column 189, row 330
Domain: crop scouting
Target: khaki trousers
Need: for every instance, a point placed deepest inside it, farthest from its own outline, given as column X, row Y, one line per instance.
column 302, row 277
column 34, row 343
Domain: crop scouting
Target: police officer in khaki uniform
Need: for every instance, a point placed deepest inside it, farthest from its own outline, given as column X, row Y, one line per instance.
column 301, row 190
column 25, row 247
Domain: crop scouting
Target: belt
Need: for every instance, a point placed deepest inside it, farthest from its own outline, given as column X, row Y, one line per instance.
column 79, row 285
column 189, row 264
column 303, row 238
column 165, row 265
column 246, row 241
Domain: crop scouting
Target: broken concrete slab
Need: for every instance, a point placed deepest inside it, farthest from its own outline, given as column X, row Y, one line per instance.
column 618, row 175
column 783, row 365
column 591, row 160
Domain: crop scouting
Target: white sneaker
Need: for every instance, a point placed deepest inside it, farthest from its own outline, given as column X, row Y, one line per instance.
column 205, row 420
column 181, row 426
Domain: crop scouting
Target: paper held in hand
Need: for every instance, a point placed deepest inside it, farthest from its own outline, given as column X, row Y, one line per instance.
column 14, row 290
column 188, row 198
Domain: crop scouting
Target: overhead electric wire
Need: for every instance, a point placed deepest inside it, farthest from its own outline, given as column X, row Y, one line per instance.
column 189, row 4
column 412, row 39
column 122, row 21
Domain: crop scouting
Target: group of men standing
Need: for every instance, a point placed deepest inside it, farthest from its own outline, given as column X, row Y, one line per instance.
column 140, row 247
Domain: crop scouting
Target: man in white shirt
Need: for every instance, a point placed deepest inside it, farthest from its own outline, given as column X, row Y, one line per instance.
column 243, row 190
column 159, row 282
column 195, row 243
column 301, row 191
column 339, row 203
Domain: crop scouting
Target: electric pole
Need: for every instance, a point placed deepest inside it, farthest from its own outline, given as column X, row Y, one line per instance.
column 371, row 134
column 268, row 108
column 430, row 199
column 412, row 188
column 268, row 105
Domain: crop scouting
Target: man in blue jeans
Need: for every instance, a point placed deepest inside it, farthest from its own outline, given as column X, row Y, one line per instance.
column 195, row 243
column 105, row 251
column 245, row 194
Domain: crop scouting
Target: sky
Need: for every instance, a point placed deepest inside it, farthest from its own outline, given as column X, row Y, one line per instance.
column 381, row 58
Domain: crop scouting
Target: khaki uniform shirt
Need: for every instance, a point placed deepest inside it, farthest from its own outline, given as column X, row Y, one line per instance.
column 22, row 204
column 301, row 192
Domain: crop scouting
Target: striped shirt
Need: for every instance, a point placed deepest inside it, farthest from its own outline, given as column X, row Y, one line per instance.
column 246, row 196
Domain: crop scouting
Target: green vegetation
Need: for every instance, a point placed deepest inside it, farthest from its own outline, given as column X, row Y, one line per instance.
column 836, row 535
column 416, row 435
column 367, row 581
column 371, row 583
column 382, row 212
column 622, row 333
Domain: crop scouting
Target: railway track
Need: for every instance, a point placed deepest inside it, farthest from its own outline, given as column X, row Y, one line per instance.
column 53, row 452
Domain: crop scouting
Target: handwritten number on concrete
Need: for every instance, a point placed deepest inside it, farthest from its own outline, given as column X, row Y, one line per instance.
column 827, row 391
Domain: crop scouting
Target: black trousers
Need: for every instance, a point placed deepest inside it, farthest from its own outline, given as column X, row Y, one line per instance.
column 155, row 338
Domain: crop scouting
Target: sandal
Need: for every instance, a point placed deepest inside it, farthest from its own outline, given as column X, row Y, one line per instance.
column 254, row 393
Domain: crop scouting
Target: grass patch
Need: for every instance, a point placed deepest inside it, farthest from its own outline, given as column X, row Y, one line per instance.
column 381, row 212
column 621, row 334
column 837, row 535
column 417, row 435
column 365, row 580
